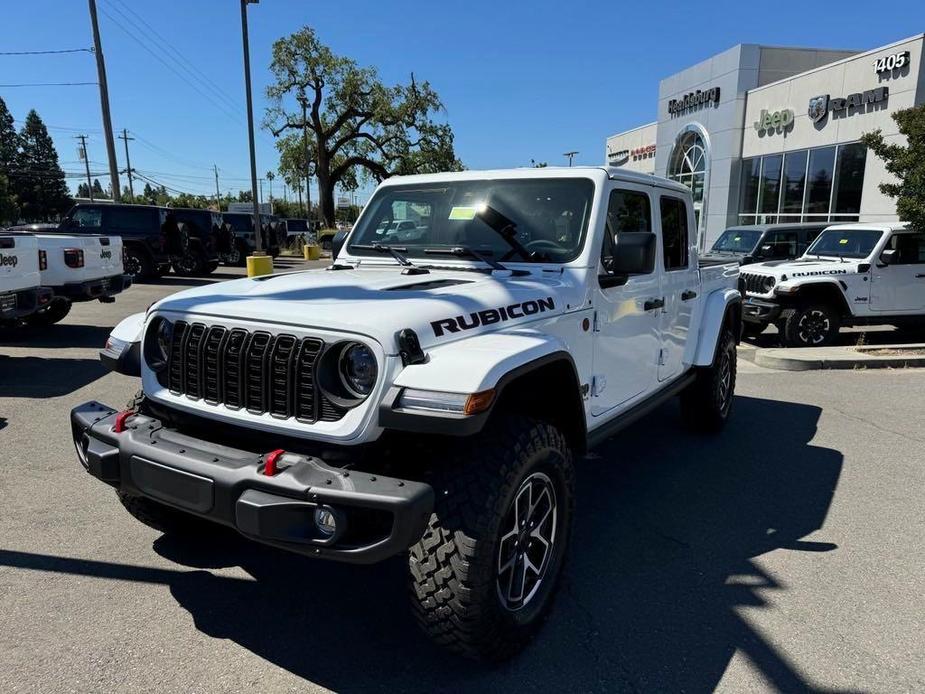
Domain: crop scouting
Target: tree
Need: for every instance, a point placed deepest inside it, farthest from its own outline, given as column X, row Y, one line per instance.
column 39, row 182
column 906, row 163
column 352, row 119
column 83, row 191
column 9, row 146
column 98, row 191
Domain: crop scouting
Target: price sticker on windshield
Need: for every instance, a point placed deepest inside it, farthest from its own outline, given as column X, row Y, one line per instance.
column 463, row 214
column 843, row 242
column 737, row 238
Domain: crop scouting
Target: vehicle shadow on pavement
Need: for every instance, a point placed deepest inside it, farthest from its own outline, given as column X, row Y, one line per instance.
column 667, row 527
column 59, row 335
column 36, row 377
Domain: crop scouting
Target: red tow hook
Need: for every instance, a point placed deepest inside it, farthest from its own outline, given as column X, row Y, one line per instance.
column 269, row 469
column 119, row 426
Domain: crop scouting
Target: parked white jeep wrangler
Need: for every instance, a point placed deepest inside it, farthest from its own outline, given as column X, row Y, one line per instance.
column 21, row 293
column 852, row 274
column 427, row 398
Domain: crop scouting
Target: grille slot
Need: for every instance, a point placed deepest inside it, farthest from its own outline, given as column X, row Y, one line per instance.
column 253, row 370
column 755, row 283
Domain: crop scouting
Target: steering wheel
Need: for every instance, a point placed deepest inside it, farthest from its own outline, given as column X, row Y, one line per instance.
column 539, row 244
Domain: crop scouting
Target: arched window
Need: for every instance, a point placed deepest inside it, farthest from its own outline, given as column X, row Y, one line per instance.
column 688, row 164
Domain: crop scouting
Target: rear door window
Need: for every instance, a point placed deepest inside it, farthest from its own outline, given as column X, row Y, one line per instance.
column 674, row 233
column 128, row 219
column 88, row 217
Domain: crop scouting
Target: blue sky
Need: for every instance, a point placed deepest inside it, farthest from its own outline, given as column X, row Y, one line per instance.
column 520, row 80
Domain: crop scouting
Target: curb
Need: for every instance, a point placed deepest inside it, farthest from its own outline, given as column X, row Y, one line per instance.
column 823, row 358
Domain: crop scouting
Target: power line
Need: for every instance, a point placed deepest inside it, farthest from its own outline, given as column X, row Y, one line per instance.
column 66, row 50
column 49, row 84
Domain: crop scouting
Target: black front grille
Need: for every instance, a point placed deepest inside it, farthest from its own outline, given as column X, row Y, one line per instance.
column 255, row 371
column 756, row 284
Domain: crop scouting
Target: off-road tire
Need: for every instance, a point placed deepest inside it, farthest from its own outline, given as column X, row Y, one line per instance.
column 55, row 312
column 707, row 403
column 327, row 243
column 137, row 263
column 211, row 267
column 810, row 325
column 456, row 595
column 193, row 264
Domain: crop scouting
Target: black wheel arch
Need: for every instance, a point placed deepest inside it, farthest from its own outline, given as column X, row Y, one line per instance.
column 828, row 293
column 546, row 388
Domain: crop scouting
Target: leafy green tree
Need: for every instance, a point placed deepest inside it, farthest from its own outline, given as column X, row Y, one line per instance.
column 98, row 191
column 9, row 146
column 906, row 163
column 83, row 191
column 39, row 182
column 353, row 120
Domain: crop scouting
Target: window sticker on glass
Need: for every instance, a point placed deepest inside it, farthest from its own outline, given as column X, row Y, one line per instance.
column 843, row 242
column 737, row 239
column 463, row 214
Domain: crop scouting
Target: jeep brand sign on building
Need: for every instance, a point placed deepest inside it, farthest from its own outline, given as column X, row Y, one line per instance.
column 768, row 134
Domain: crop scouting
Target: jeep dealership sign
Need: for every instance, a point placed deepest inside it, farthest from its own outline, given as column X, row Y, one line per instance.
column 694, row 100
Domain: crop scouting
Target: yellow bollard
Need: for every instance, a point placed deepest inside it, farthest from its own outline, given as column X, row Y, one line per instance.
column 259, row 265
column 314, row 252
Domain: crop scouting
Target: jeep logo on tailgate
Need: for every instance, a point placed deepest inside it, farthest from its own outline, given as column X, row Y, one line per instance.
column 10, row 260
column 492, row 315
column 105, row 254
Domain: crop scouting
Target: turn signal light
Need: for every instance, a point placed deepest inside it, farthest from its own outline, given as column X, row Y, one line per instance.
column 74, row 257
column 479, row 402
column 43, row 260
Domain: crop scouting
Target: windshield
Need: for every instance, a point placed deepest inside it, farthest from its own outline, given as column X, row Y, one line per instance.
column 546, row 217
column 738, row 240
column 845, row 243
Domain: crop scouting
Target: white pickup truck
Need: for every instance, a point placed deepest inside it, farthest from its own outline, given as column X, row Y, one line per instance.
column 21, row 293
column 76, row 268
column 428, row 397
column 852, row 274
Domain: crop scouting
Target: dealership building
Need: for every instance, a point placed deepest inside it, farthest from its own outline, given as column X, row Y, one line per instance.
column 765, row 134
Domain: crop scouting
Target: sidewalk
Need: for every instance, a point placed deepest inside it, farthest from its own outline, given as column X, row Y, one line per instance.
column 894, row 356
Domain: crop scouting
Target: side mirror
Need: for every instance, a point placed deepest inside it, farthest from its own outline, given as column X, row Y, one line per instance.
column 889, row 257
column 337, row 243
column 634, row 253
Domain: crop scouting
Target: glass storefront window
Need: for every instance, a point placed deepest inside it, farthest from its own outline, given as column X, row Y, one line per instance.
column 821, row 169
column 769, row 195
column 794, row 183
column 849, row 178
column 751, row 168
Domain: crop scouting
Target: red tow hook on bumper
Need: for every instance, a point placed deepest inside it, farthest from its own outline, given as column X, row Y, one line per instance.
column 269, row 468
column 119, row 425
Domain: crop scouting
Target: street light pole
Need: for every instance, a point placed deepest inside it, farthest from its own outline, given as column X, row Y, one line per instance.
column 104, row 104
column 250, row 125
column 570, row 156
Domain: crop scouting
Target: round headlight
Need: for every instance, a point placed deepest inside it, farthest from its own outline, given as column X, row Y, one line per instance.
column 358, row 369
column 157, row 346
column 769, row 283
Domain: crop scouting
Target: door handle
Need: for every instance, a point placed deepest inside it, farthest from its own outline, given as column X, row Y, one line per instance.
column 653, row 304
column 688, row 295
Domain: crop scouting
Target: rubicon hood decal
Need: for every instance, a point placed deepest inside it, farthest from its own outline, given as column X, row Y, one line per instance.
column 492, row 315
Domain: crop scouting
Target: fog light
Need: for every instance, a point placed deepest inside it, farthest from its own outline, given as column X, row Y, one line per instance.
column 325, row 521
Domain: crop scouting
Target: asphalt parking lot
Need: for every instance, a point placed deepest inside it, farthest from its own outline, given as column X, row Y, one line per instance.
column 785, row 554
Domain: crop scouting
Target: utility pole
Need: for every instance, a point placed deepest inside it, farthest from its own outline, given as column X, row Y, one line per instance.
column 308, row 162
column 104, row 104
column 83, row 155
column 218, row 192
column 128, row 162
column 570, row 156
column 250, row 125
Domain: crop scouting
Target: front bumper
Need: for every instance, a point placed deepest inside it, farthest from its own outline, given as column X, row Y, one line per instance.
column 377, row 516
column 760, row 311
column 101, row 288
column 23, row 303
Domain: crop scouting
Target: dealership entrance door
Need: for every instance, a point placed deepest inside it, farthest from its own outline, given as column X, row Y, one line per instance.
column 689, row 164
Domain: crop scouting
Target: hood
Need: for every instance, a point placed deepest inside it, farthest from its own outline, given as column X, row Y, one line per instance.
column 807, row 267
column 439, row 306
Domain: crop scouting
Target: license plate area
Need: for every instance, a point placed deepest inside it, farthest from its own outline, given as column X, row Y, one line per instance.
column 172, row 486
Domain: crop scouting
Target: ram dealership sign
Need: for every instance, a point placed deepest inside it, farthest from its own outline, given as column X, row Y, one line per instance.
column 694, row 100
column 819, row 106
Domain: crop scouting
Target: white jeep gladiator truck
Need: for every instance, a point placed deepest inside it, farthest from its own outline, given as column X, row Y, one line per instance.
column 77, row 269
column 21, row 293
column 427, row 398
column 852, row 274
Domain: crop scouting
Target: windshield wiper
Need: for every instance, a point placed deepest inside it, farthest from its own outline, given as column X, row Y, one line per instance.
column 410, row 268
column 505, row 227
column 466, row 252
